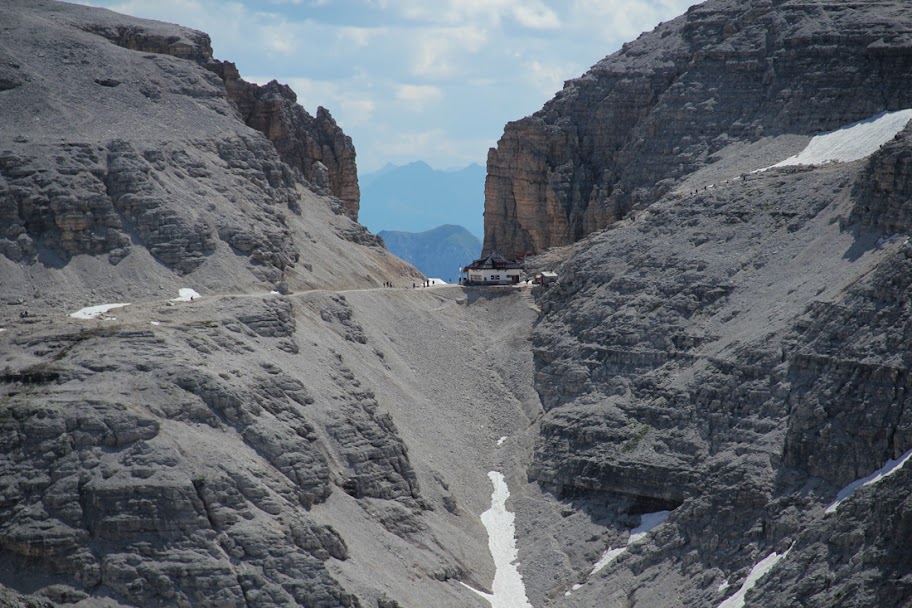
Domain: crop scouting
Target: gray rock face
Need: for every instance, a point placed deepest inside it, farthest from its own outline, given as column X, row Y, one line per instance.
column 737, row 354
column 315, row 146
column 640, row 120
column 113, row 183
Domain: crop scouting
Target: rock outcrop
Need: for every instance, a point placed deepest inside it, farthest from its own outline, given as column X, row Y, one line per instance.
column 737, row 355
column 625, row 133
column 151, row 126
column 316, row 146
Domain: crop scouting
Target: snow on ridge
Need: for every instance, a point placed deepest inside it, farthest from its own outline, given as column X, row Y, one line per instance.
column 96, row 312
column 508, row 588
column 885, row 471
column 851, row 142
column 757, row 572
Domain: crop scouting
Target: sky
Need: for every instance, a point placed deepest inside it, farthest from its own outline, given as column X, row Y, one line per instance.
column 431, row 80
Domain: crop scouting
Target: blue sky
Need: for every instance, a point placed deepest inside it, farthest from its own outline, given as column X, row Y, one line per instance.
column 415, row 79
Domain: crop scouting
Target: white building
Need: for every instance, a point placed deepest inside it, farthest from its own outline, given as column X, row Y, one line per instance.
column 492, row 269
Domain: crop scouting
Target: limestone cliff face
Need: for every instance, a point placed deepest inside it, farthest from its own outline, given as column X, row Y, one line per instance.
column 316, row 146
column 146, row 120
column 622, row 135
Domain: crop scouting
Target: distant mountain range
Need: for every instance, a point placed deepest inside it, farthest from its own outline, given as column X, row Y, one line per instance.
column 416, row 198
column 438, row 253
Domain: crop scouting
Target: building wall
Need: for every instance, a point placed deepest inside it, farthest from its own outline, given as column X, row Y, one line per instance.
column 495, row 277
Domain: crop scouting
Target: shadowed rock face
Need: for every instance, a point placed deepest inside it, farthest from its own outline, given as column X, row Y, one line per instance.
column 622, row 135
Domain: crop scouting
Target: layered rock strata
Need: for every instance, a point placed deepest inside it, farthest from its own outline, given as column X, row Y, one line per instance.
column 625, row 133
column 316, row 146
column 736, row 355
column 114, row 183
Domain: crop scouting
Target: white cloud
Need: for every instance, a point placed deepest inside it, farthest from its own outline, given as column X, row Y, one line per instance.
column 533, row 14
column 623, row 19
column 440, row 51
column 536, row 16
column 548, row 78
column 418, row 96
column 359, row 36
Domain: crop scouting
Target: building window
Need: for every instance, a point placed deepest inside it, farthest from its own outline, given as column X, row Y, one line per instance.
column 495, row 277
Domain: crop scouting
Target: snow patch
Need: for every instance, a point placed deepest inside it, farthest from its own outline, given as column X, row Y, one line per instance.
column 508, row 588
column 186, row 295
column 433, row 282
column 756, row 573
column 885, row 471
column 851, row 142
column 723, row 586
column 97, row 312
column 501, row 440
column 607, row 557
column 648, row 521
column 155, row 322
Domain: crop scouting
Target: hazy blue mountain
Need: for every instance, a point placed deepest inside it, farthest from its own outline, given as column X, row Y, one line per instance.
column 438, row 253
column 417, row 197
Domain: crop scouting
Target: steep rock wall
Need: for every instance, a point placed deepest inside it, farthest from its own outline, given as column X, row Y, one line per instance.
column 622, row 135
column 739, row 354
column 316, row 146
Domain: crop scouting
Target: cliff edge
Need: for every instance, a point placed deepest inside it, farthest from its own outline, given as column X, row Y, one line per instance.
column 626, row 133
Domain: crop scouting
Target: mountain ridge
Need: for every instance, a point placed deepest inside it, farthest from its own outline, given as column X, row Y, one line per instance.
column 438, row 253
column 416, row 197
column 626, row 132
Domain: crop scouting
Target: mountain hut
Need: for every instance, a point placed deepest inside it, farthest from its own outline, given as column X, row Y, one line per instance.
column 493, row 269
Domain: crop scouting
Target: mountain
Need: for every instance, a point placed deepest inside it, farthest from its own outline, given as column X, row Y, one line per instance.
column 207, row 396
column 726, row 348
column 439, row 253
column 640, row 121
column 415, row 198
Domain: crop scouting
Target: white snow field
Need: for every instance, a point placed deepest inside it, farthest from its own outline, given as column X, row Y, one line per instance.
column 885, row 471
column 186, row 295
column 96, row 312
column 756, row 573
column 508, row 588
column 851, row 142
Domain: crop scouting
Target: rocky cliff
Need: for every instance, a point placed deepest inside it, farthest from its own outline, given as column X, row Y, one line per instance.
column 315, row 146
column 249, row 418
column 642, row 119
column 734, row 351
column 709, row 408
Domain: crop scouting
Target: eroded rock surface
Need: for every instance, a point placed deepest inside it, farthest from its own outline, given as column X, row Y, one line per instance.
column 154, row 155
column 737, row 355
column 625, row 133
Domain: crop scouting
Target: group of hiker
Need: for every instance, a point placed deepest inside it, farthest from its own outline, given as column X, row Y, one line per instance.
column 425, row 283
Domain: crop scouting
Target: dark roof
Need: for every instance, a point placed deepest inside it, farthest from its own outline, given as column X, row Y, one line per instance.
column 493, row 261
